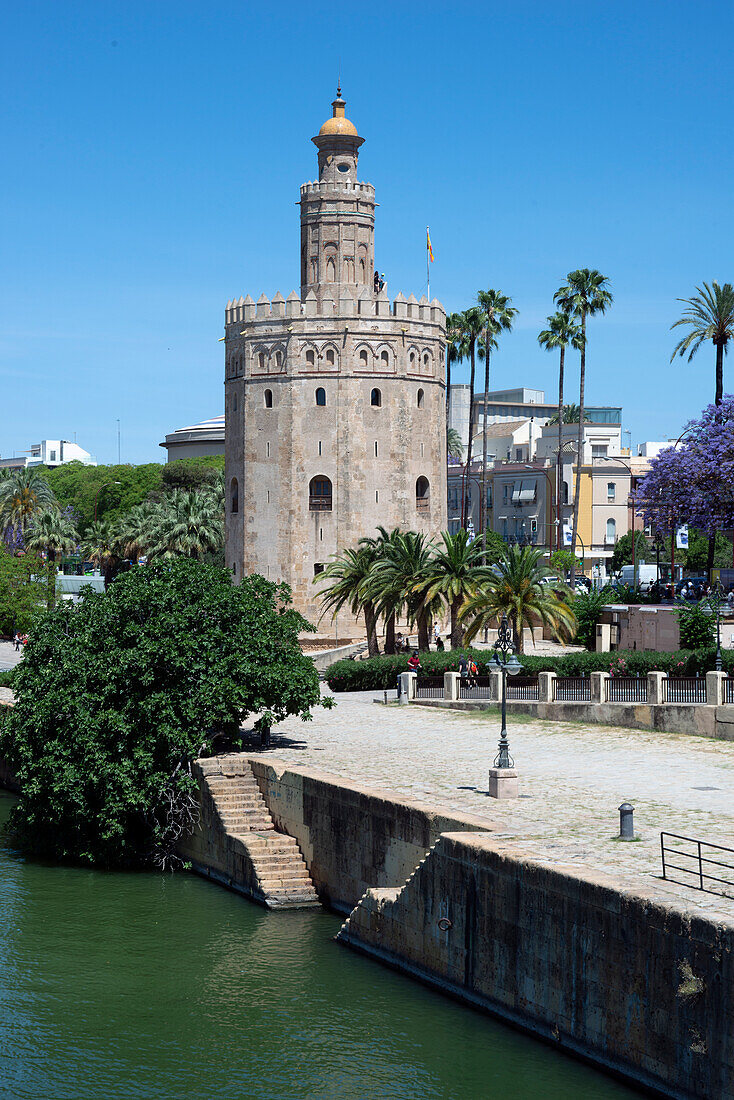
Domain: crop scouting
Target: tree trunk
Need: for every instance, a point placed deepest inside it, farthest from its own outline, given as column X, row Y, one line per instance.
column 51, row 595
column 423, row 636
column 483, row 501
column 448, row 395
column 710, row 558
column 719, row 373
column 370, row 622
column 579, row 455
column 457, row 630
column 559, row 463
column 390, row 634
column 467, row 483
column 517, row 631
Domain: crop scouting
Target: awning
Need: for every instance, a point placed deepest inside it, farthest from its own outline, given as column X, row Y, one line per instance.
column 526, row 492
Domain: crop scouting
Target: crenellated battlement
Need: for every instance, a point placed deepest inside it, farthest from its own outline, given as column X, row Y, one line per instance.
column 364, row 303
column 330, row 187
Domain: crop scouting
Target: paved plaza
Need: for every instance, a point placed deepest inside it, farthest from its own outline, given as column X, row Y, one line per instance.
column 573, row 778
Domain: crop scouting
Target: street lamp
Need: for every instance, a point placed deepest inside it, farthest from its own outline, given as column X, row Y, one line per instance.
column 506, row 661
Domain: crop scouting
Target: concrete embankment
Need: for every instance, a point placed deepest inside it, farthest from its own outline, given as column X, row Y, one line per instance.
column 613, row 974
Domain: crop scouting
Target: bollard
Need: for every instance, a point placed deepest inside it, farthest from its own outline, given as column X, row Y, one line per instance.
column 626, row 822
column 385, row 698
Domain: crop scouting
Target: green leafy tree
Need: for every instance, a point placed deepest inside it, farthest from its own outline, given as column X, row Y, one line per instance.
column 451, row 576
column 111, row 491
column 117, row 696
column 23, row 495
column 343, row 585
column 622, row 553
column 186, row 523
column 710, row 315
column 570, row 415
column 453, row 443
column 588, row 608
column 52, row 533
column 585, row 294
column 515, row 586
column 562, row 560
column 395, row 578
column 697, row 627
column 101, row 545
column 23, row 584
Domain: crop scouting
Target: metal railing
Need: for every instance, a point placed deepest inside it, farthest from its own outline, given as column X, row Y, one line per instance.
column 319, row 504
column 423, row 503
column 475, row 687
column 685, row 689
column 729, row 689
column 571, row 689
column 429, row 687
column 695, row 865
column 627, row 689
column 522, row 687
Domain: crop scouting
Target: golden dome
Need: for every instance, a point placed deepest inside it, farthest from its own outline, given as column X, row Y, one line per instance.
column 338, row 125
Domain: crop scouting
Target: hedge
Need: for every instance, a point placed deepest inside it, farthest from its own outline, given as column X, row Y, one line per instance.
column 378, row 673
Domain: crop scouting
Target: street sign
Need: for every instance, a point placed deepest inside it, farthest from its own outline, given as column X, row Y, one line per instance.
column 681, row 537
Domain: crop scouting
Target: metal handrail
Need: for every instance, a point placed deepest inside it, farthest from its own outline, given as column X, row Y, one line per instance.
column 697, row 871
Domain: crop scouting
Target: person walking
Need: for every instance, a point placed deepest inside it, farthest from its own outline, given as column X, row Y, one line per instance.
column 16, row 640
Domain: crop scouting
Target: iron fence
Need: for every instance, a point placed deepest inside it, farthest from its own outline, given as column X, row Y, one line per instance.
column 627, row 689
column 685, row 689
column 571, row 689
column 522, row 687
column 429, row 687
column 475, row 687
column 729, row 689
column 694, row 865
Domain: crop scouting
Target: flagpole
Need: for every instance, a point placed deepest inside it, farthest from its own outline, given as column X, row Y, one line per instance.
column 428, row 267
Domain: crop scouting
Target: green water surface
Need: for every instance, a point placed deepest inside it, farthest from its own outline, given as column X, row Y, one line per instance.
column 143, row 985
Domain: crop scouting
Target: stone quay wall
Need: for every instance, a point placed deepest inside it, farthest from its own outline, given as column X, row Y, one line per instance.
column 609, row 973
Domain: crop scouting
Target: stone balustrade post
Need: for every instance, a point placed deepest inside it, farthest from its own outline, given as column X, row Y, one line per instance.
column 451, row 686
column 599, row 687
column 546, row 681
column 715, row 688
column 656, row 687
column 407, row 687
column 495, row 685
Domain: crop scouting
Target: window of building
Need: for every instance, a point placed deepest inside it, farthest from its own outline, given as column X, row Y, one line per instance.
column 278, row 359
column 611, row 491
column 599, row 450
column 267, row 449
column 310, row 358
column 330, row 357
column 422, row 494
column 321, row 396
column 319, row 448
column 375, row 448
column 261, row 360
column 420, row 397
column 234, row 568
column 318, row 568
column 376, row 399
column 234, row 402
column 422, row 450
column 319, row 494
column 518, row 454
column 234, row 496
column 377, row 496
column 363, row 359
column 53, row 456
column 565, row 492
column 426, row 360
column 267, row 495
column 611, row 530
column 384, row 360
column 504, row 494
column 268, row 399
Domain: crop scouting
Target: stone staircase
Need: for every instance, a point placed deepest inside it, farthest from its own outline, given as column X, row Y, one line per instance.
column 276, row 872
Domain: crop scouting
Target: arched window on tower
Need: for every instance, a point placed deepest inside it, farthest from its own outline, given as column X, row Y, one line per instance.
column 319, row 494
column 419, row 398
column 234, row 496
column 278, row 359
column 321, row 396
column 363, row 359
column 422, row 494
column 330, row 357
column 376, row 399
column 611, row 530
column 384, row 360
column 268, row 399
column 261, row 360
column 330, row 270
column 411, row 360
column 310, row 358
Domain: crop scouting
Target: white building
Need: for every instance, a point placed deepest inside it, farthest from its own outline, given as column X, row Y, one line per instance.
column 49, row 452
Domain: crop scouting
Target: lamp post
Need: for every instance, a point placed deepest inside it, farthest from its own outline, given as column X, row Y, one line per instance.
column 718, row 663
column 506, row 661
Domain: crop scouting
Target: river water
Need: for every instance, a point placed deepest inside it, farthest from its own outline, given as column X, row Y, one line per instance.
column 159, row 986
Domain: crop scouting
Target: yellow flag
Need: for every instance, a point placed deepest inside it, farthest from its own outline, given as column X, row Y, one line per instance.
column 428, row 245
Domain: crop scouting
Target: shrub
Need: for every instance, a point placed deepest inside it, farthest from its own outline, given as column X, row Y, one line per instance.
column 697, row 629
column 117, row 695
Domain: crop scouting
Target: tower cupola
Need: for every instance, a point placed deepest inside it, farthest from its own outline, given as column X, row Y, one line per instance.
column 338, row 144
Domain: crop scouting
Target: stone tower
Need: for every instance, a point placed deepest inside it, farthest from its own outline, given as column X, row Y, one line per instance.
column 334, row 398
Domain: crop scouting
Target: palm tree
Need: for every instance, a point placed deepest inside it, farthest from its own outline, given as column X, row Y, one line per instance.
column 498, row 317
column 585, row 294
column 101, row 546
column 472, row 324
column 345, row 578
column 514, row 587
column 187, row 524
column 394, row 582
column 134, row 530
column 560, row 333
column 52, row 533
column 710, row 314
column 454, row 445
column 571, row 415
column 453, row 355
column 451, row 575
column 22, row 495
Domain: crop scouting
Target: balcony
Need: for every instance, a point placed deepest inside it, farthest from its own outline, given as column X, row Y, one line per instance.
column 319, row 504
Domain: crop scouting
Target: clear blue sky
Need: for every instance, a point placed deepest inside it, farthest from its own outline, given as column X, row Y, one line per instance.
column 152, row 155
